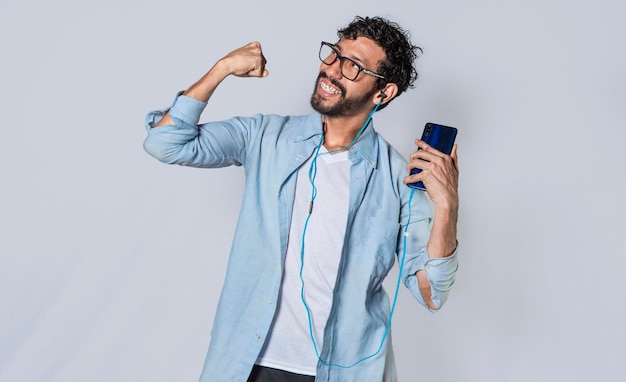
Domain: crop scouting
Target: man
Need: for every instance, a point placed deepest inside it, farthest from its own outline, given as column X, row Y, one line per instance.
column 325, row 211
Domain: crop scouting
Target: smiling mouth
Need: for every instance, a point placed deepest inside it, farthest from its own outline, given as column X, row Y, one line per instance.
column 330, row 88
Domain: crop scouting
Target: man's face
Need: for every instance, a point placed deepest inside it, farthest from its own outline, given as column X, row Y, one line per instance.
column 335, row 95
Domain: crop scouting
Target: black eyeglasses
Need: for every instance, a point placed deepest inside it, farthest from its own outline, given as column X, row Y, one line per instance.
column 349, row 68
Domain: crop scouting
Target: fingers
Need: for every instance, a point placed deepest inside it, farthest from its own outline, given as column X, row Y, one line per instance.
column 428, row 148
column 264, row 72
column 423, row 156
column 248, row 61
column 454, row 157
column 437, row 168
column 257, row 60
column 429, row 153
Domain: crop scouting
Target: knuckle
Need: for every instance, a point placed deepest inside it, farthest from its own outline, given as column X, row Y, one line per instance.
column 438, row 161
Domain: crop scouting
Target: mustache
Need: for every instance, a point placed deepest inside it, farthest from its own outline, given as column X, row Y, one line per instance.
column 332, row 81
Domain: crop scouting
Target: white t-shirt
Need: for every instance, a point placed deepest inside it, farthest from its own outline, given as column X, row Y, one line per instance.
column 289, row 346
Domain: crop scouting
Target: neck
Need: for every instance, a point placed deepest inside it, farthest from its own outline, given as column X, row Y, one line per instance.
column 341, row 131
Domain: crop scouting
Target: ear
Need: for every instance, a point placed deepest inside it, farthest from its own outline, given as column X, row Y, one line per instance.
column 387, row 93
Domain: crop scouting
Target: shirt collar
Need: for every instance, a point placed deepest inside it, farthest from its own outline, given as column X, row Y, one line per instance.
column 366, row 146
column 312, row 128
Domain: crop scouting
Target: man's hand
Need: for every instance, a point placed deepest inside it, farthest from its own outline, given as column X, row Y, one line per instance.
column 247, row 61
column 439, row 174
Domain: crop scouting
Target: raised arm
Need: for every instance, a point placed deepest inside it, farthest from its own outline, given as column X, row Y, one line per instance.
column 440, row 175
column 247, row 61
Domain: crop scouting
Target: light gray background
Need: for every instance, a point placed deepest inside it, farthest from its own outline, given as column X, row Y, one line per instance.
column 111, row 263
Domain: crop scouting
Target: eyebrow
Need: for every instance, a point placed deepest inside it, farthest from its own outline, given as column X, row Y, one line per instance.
column 358, row 59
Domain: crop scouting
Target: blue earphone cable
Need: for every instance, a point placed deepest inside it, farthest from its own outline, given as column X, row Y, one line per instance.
column 312, row 174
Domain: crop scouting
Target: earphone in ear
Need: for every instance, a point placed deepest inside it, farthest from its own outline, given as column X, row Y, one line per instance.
column 382, row 95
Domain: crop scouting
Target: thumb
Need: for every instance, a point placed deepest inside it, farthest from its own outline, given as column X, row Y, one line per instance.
column 454, row 157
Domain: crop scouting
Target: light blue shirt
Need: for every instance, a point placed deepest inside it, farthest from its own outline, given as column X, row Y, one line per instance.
column 271, row 148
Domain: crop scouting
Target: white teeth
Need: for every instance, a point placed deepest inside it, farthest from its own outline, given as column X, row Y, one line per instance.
column 328, row 89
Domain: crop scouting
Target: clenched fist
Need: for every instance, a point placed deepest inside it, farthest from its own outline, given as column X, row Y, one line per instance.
column 247, row 61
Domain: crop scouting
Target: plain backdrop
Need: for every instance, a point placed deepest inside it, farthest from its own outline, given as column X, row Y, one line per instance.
column 111, row 262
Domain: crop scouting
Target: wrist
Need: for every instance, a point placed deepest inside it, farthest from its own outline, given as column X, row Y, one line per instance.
column 447, row 212
column 222, row 68
column 205, row 86
column 443, row 239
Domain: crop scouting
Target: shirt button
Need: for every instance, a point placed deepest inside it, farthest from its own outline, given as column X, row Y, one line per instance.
column 298, row 138
column 427, row 266
column 298, row 157
column 270, row 301
column 258, row 336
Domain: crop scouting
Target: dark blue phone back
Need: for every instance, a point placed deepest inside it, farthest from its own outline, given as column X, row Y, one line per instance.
column 439, row 137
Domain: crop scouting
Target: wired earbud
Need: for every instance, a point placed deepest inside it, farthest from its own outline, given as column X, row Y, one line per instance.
column 382, row 95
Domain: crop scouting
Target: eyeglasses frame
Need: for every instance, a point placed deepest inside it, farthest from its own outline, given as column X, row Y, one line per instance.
column 341, row 58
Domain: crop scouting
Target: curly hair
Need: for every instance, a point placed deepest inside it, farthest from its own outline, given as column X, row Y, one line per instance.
column 395, row 41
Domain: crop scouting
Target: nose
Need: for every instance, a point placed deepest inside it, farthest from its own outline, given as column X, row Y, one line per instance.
column 334, row 70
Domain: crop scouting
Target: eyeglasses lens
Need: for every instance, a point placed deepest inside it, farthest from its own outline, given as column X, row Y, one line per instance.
column 327, row 54
column 349, row 69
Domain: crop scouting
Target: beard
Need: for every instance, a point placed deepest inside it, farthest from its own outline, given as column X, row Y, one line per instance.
column 345, row 106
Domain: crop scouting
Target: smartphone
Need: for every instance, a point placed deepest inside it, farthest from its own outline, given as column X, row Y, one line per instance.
column 439, row 137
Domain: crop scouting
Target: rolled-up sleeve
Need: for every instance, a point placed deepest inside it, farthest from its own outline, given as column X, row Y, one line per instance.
column 185, row 110
column 214, row 144
column 440, row 272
